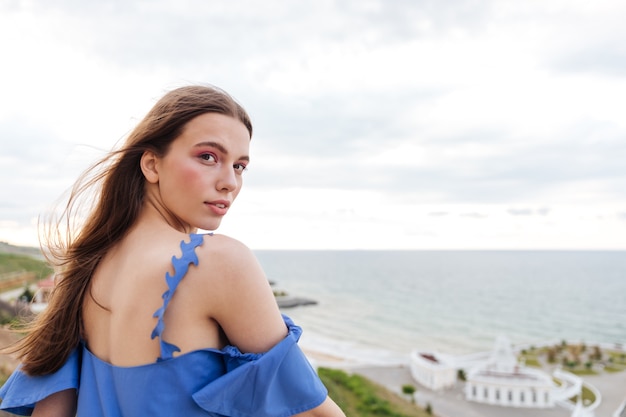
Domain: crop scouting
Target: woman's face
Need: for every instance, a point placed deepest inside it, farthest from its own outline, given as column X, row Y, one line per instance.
column 201, row 174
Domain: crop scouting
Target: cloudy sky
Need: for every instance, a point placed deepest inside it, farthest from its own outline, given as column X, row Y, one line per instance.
column 379, row 124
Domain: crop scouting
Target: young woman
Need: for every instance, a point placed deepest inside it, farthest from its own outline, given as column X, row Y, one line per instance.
column 149, row 318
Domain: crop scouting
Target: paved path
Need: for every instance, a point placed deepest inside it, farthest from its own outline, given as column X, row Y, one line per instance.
column 612, row 386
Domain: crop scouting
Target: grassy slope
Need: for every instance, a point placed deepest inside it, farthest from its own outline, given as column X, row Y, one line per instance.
column 10, row 262
column 358, row 396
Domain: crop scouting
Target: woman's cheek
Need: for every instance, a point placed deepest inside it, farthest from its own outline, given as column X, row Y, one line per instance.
column 190, row 174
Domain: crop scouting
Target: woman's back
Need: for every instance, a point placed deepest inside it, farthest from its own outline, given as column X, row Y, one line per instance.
column 119, row 320
column 126, row 291
column 203, row 377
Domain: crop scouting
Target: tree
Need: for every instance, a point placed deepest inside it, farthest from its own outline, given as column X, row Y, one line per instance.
column 597, row 353
column 27, row 295
column 409, row 390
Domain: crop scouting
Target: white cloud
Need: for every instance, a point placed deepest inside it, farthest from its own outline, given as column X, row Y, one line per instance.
column 369, row 116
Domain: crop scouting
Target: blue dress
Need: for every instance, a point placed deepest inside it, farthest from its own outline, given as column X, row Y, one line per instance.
column 205, row 382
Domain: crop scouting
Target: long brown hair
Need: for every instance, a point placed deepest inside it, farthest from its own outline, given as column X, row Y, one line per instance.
column 113, row 190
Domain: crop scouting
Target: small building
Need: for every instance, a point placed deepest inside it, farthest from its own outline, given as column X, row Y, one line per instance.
column 432, row 370
column 42, row 294
column 44, row 289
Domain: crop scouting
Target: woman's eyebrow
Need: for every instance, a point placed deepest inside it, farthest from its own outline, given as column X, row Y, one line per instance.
column 217, row 145
column 220, row 148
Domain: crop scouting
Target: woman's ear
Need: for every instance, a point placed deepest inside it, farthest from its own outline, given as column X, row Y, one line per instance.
column 149, row 162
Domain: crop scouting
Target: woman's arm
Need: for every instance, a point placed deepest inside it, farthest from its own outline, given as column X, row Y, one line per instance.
column 59, row 404
column 246, row 309
column 326, row 409
column 240, row 298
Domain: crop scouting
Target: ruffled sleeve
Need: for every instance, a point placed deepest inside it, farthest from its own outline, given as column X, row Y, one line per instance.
column 20, row 393
column 278, row 383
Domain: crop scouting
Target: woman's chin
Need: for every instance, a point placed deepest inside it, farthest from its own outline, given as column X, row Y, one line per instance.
column 204, row 228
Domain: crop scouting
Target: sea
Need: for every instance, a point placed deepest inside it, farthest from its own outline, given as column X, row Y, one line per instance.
column 379, row 306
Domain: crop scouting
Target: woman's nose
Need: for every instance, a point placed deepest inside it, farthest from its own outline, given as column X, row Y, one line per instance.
column 227, row 180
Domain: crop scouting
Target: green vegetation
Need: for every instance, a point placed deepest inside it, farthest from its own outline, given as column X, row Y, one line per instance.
column 617, row 357
column 10, row 262
column 18, row 270
column 588, row 397
column 582, row 371
column 27, row 295
column 580, row 359
column 409, row 390
column 358, row 396
column 529, row 359
column 6, row 318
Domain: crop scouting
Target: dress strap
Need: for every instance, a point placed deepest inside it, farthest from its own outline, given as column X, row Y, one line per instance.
column 181, row 266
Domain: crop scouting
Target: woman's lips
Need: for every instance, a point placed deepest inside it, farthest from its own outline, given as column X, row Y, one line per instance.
column 219, row 207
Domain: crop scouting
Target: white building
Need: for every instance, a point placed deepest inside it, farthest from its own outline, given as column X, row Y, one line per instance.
column 497, row 378
column 502, row 381
column 432, row 370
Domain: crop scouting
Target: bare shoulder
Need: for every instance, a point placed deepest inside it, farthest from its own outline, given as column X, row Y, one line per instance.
column 225, row 253
column 225, row 245
column 226, row 264
column 240, row 297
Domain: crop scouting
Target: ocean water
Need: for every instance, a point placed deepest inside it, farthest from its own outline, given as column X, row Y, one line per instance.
column 378, row 306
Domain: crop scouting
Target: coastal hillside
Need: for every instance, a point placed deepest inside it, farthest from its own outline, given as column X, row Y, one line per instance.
column 11, row 263
column 20, row 266
column 20, row 250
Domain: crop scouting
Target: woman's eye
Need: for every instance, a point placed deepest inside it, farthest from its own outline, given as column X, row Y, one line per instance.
column 208, row 157
column 240, row 168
